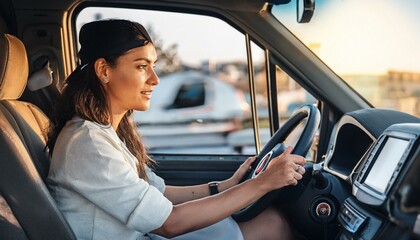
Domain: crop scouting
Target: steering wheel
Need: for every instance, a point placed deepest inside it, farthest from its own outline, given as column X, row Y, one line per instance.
column 274, row 148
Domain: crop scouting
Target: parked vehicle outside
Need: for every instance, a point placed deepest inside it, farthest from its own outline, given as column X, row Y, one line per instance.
column 190, row 109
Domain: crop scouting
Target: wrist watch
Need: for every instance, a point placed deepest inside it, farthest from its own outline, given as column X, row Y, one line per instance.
column 214, row 188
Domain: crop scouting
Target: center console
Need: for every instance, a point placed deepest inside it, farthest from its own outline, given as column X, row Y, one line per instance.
column 376, row 180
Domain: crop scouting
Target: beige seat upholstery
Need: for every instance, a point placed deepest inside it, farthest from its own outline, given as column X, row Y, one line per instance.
column 30, row 122
column 27, row 211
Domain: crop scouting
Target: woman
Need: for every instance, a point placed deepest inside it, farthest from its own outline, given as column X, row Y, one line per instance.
column 100, row 172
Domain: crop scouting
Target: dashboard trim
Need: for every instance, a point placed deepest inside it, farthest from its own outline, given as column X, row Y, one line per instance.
column 346, row 119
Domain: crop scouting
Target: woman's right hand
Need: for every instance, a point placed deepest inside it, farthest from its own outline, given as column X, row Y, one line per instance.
column 286, row 169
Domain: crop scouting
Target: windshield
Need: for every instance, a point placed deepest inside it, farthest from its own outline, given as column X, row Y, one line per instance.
column 372, row 45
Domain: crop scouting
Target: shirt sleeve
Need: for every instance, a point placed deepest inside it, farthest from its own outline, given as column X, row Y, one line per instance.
column 156, row 181
column 95, row 167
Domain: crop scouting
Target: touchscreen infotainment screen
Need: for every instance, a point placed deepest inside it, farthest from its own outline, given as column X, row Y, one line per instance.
column 385, row 164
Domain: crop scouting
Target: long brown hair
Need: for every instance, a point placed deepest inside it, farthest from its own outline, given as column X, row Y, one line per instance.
column 83, row 95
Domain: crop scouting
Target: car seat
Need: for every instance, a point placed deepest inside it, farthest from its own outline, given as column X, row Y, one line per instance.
column 25, row 203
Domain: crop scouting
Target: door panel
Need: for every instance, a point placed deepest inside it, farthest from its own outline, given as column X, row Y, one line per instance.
column 183, row 170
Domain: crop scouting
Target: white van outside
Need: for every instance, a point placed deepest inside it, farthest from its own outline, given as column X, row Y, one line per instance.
column 193, row 108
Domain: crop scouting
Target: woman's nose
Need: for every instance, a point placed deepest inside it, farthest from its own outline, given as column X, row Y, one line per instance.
column 154, row 79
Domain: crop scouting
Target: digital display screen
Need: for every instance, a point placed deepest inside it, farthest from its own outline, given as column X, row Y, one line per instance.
column 385, row 164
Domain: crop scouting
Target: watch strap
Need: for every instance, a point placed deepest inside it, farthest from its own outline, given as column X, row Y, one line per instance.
column 214, row 188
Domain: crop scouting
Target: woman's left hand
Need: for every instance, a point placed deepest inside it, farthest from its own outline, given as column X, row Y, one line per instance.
column 240, row 173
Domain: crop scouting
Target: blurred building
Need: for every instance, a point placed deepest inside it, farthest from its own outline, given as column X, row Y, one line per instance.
column 403, row 89
column 398, row 90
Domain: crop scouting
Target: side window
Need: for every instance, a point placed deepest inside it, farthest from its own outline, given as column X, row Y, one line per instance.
column 202, row 103
column 190, row 95
column 290, row 96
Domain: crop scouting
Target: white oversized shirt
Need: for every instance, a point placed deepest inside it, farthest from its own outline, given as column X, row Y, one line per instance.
column 93, row 178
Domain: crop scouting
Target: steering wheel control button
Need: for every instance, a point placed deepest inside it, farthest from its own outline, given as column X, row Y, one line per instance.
column 323, row 209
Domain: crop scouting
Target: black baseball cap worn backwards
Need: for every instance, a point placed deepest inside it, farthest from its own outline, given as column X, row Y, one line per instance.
column 107, row 38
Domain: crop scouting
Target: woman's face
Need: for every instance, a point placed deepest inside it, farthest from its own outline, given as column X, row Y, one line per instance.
column 131, row 81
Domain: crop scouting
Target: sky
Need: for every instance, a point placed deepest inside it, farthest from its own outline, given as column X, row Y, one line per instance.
column 354, row 36
column 362, row 36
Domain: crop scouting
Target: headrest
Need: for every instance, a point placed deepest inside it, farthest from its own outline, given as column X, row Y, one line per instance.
column 13, row 67
column 41, row 78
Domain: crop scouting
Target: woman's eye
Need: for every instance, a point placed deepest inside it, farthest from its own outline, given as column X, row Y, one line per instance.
column 142, row 67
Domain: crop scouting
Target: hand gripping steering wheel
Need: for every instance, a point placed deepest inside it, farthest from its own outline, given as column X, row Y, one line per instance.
column 275, row 147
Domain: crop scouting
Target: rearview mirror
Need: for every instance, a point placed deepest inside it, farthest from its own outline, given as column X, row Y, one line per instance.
column 305, row 10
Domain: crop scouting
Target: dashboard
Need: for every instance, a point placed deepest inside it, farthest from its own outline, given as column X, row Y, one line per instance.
column 376, row 200
column 375, row 160
column 368, row 185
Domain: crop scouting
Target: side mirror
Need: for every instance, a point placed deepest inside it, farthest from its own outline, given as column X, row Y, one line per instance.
column 305, row 10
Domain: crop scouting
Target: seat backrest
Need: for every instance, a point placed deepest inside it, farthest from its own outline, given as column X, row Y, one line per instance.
column 28, row 121
column 23, row 161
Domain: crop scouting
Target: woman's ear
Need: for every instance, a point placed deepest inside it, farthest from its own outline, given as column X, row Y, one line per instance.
column 101, row 70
